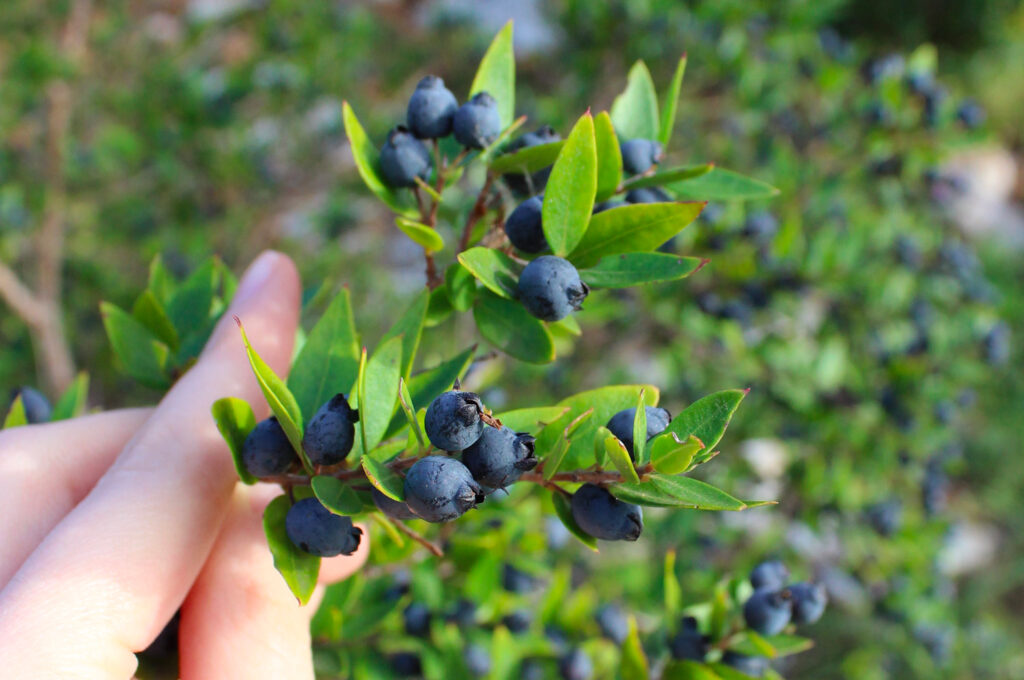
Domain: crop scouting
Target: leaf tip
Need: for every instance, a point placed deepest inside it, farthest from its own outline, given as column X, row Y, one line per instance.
column 238, row 322
column 746, row 391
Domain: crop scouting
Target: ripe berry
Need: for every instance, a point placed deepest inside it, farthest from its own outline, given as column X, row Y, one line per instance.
column 463, row 614
column 603, row 516
column 331, row 433
column 768, row 611
column 576, row 665
column 688, row 644
column 970, row 114
column 440, row 489
column 431, row 109
column 517, row 581
column 885, row 517
column 318, row 531
column 621, row 424
column 772, row 574
column 403, row 158
column 417, row 617
column 550, row 288
column 648, row 195
column 390, row 507
column 478, row 660
column 453, row 420
column 638, row 155
column 499, row 456
column 477, row 123
column 997, row 344
column 809, row 600
column 406, row 664
column 517, row 182
column 754, row 666
column 266, row 451
column 524, row 227
column 518, row 621
column 613, row 623
column 37, row 406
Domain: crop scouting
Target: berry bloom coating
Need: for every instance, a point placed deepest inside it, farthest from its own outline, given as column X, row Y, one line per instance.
column 607, row 205
column 453, row 420
column 516, row 580
column 431, row 109
column 768, row 611
column 390, row 507
column 477, row 123
column 478, row 660
column 688, row 644
column 538, row 180
column 576, row 665
column 603, row 516
column 318, row 531
column 525, row 228
column 638, row 155
column 771, row 574
column 518, row 621
column 331, row 433
column 550, row 288
column 266, row 451
column 499, row 456
column 809, row 600
column 37, row 406
column 403, row 158
column 613, row 623
column 440, row 489
column 417, row 619
column 754, row 666
column 648, row 195
column 621, row 424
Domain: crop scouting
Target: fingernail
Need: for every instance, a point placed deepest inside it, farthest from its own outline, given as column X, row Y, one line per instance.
column 256, row 276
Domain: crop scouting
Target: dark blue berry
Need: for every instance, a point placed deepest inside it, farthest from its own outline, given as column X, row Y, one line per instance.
column 885, row 517
column 997, row 344
column 390, row 507
column 970, row 114
column 499, row 456
column 431, row 109
column 318, row 531
column 331, row 433
column 621, row 424
column 463, row 614
column 403, row 158
column 603, row 516
column 808, row 600
column 516, row 580
column 525, row 228
column 613, row 623
column 771, row 574
column 440, row 489
column 576, row 665
column 688, row 644
column 406, row 664
column 638, row 155
column 518, row 621
column 648, row 195
column 477, row 123
column 266, row 451
column 550, row 288
column 768, row 611
column 478, row 660
column 453, row 420
column 37, row 406
column 416, row 617
column 754, row 666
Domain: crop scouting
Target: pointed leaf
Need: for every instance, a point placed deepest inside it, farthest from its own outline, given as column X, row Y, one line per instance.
column 706, row 418
column 382, row 477
column 410, row 327
column 16, row 416
column 673, row 592
column 299, row 568
column 190, row 307
column 670, row 455
column 493, row 268
column 531, row 419
column 380, row 392
column 461, row 286
column 336, row 496
column 150, row 313
column 606, row 402
column 671, row 103
column 569, row 196
column 509, row 327
column 426, row 385
column 609, row 157
column 750, row 643
column 723, row 185
column 616, row 452
column 527, row 160
column 496, row 74
column 553, row 459
column 688, row 670
column 634, row 269
column 74, row 400
column 677, row 492
column 367, row 157
column 141, row 355
column 633, row 664
column 632, row 228
column 409, row 409
column 564, row 513
column 670, row 176
column 640, row 432
column 635, row 111
column 160, row 280
column 235, row 420
column 424, row 236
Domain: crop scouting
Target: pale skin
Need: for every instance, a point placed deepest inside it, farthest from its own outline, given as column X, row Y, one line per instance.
column 111, row 522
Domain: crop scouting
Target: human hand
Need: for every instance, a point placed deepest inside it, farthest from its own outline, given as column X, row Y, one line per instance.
column 111, row 522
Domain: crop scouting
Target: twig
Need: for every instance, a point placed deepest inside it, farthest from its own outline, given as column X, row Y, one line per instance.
column 416, row 536
column 479, row 210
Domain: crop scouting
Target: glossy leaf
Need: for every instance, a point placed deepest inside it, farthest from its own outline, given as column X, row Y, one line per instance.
column 723, row 185
column 299, row 568
column 160, row 280
column 619, row 456
column 496, row 74
column 531, row 419
column 527, row 160
column 671, row 103
column 570, row 191
column 671, row 175
column 379, row 392
column 606, row 402
column 336, row 496
column 367, row 158
column 150, row 313
column 751, row 643
column 409, row 409
column 461, row 286
column 676, row 492
column 426, row 385
column 493, row 268
column 382, row 477
column 409, row 327
column 190, row 306
column 640, row 432
column 634, row 269
column 564, row 512
column 633, row 664
column 707, row 418
column 670, row 455
column 74, row 400
column 425, row 237
column 632, row 228
column 635, row 111
column 554, row 457
column 235, row 420
column 141, row 355
column 509, row 327
column 609, row 157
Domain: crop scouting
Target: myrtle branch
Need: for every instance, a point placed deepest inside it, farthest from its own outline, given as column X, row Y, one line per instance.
column 477, row 213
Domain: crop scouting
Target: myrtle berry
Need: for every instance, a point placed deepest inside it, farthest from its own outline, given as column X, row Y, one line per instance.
column 453, row 420
column 406, row 664
column 768, row 611
column 648, row 195
column 518, row 184
column 518, row 621
column 688, row 644
column 550, row 288
column 970, row 114
column 997, row 344
column 607, row 205
column 37, row 406
column 499, row 456
column 771, row 574
column 440, row 489
column 808, row 600
column 477, row 123
column 516, row 580
column 754, row 666
column 416, row 617
column 431, row 109
column 266, row 451
column 638, row 155
column 760, row 226
column 318, row 531
column 463, row 614
column 478, row 660
column 331, row 433
column 621, row 424
column 403, row 158
column 576, row 665
column 524, row 226
column 603, row 516
column 885, row 517
column 613, row 623
column 532, row 669
column 390, row 507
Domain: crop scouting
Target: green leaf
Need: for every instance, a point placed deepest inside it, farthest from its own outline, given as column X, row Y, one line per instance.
column 439, row 308
column 335, row 496
column 527, row 160
column 531, row 419
column 676, row 492
column 73, row 402
column 426, row 385
column 670, row 455
column 606, row 402
column 564, row 512
column 141, row 355
column 409, row 409
column 570, row 191
column 279, row 398
column 634, row 269
column 640, row 432
column 150, row 313
column 671, row 103
column 671, row 175
column 787, row 645
column 632, row 228
column 461, row 286
column 328, row 362
column 688, row 670
column 493, row 268
column 367, row 158
column 16, row 416
column 600, row 454
column 553, row 460
column 410, row 327
column 421, row 234
column 299, row 568
column 616, row 452
column 723, row 185
column 609, row 157
column 750, row 643
column 379, row 392
column 706, row 418
column 673, row 592
column 160, row 280
column 496, row 74
column 190, row 307
column 727, row 672
column 487, row 154
column 509, row 327
column 635, row 111
column 235, row 420
column 383, row 477
column 633, row 664
column 389, row 528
